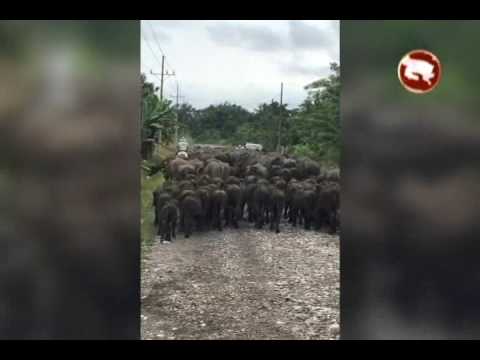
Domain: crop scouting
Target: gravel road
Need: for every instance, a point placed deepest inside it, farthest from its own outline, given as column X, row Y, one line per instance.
column 242, row 284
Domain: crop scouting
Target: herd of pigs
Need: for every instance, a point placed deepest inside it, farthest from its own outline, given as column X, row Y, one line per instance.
column 215, row 189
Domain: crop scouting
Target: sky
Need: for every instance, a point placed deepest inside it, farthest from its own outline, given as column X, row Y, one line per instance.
column 239, row 61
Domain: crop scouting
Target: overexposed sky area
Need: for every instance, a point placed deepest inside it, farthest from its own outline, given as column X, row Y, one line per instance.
column 242, row 62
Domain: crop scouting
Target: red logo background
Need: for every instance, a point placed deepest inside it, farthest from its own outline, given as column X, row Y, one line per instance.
column 420, row 86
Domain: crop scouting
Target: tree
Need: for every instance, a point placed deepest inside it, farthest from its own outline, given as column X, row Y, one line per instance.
column 312, row 129
column 186, row 118
column 218, row 123
column 317, row 122
column 265, row 124
column 158, row 117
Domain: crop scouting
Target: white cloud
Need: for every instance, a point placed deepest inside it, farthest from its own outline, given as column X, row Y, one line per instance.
column 242, row 62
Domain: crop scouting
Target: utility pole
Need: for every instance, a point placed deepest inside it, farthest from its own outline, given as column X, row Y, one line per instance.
column 280, row 118
column 176, row 118
column 162, row 75
column 281, row 93
column 178, row 97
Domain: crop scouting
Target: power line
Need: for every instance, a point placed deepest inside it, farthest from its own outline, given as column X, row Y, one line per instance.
column 158, row 45
column 146, row 66
column 143, row 58
column 164, row 60
column 176, row 115
column 162, row 75
column 177, row 95
column 151, row 50
column 158, row 77
column 155, row 38
column 162, row 51
column 172, row 87
column 161, row 62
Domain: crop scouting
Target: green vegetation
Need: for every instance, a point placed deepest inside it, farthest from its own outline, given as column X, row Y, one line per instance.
column 317, row 123
column 312, row 129
column 151, row 179
column 158, row 116
column 148, row 185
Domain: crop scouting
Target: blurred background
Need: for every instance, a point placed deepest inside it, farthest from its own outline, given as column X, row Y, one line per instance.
column 410, row 191
column 69, row 162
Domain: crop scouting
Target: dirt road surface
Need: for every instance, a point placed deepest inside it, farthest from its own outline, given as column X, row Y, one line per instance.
column 242, row 284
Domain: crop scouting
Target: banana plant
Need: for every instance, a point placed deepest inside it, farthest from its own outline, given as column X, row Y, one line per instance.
column 157, row 115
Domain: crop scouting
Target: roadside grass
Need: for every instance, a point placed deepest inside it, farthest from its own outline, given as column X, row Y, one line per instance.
column 148, row 185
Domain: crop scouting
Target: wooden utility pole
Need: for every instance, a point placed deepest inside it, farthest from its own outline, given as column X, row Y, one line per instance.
column 162, row 75
column 281, row 94
column 176, row 120
column 280, row 118
column 178, row 95
column 177, row 107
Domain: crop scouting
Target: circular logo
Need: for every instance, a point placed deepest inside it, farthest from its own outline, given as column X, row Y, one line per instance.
column 419, row 71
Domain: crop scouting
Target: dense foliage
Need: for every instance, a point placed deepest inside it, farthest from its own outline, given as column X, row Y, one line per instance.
column 317, row 122
column 312, row 129
column 158, row 116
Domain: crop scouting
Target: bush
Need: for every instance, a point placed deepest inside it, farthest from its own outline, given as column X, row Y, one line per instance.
column 304, row 150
